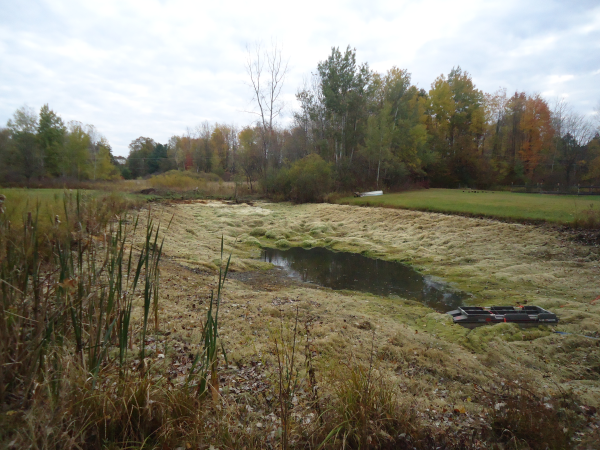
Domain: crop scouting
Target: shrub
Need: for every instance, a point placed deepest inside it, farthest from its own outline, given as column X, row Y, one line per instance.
column 588, row 218
column 277, row 184
column 367, row 409
column 307, row 180
column 310, row 179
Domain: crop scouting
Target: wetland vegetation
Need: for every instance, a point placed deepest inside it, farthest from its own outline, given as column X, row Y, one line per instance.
column 284, row 362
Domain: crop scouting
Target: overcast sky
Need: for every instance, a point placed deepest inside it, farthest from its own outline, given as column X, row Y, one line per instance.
column 152, row 68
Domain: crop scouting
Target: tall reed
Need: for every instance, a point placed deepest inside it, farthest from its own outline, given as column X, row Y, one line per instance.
column 70, row 291
column 206, row 362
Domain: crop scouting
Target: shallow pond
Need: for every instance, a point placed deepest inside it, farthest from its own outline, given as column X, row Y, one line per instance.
column 352, row 271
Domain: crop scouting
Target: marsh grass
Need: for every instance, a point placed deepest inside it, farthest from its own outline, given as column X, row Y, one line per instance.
column 198, row 185
column 286, row 340
column 504, row 262
column 67, row 298
column 560, row 209
column 520, row 417
column 94, row 380
column 57, row 289
column 367, row 411
column 589, row 217
column 206, row 362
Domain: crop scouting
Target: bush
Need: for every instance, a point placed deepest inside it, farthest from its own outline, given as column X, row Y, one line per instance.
column 588, row 218
column 277, row 184
column 307, row 180
column 310, row 179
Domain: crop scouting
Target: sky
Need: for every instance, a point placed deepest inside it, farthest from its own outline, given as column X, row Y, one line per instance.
column 154, row 68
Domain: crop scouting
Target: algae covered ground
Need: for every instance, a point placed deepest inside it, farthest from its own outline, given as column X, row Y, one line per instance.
column 442, row 372
column 562, row 209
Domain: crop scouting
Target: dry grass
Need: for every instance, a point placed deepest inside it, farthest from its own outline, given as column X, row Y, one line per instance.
column 409, row 379
column 202, row 184
column 182, row 181
column 437, row 364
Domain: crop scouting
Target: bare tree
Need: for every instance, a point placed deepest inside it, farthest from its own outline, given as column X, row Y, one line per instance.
column 566, row 121
column 312, row 115
column 580, row 128
column 267, row 70
column 95, row 140
column 574, row 131
column 560, row 111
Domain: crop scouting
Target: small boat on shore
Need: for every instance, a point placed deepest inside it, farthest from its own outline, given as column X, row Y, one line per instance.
column 368, row 194
column 475, row 316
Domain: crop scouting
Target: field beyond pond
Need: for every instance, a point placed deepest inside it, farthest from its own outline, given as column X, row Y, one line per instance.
column 561, row 209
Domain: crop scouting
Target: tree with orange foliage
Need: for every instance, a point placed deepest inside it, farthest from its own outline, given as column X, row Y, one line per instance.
column 536, row 126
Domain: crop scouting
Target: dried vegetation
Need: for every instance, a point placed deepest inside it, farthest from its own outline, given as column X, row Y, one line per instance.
column 439, row 367
column 308, row 367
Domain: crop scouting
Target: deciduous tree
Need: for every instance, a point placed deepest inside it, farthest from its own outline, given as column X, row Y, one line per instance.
column 267, row 70
column 51, row 137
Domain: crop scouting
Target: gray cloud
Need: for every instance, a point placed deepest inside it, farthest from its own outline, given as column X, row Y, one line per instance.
column 148, row 68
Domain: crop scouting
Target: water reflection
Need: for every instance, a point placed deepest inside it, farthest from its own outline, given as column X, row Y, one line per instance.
column 340, row 270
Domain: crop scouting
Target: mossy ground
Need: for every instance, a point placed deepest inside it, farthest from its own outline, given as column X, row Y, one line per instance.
column 437, row 364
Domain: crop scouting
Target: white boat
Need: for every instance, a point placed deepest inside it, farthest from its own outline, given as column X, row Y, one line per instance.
column 371, row 194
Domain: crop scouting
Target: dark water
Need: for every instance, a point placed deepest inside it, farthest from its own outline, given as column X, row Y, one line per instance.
column 341, row 270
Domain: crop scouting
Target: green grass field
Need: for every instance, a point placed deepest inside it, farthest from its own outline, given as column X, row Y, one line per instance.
column 20, row 201
column 563, row 209
column 48, row 203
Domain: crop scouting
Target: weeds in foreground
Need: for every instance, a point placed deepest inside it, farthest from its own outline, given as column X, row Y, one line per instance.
column 65, row 290
column 367, row 409
column 288, row 378
column 522, row 418
column 66, row 308
column 588, row 218
column 206, row 362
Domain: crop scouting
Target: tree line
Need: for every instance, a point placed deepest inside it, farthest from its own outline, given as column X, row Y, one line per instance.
column 367, row 130
column 359, row 129
column 41, row 146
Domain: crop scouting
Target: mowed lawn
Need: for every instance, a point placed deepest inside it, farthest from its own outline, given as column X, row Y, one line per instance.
column 503, row 205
